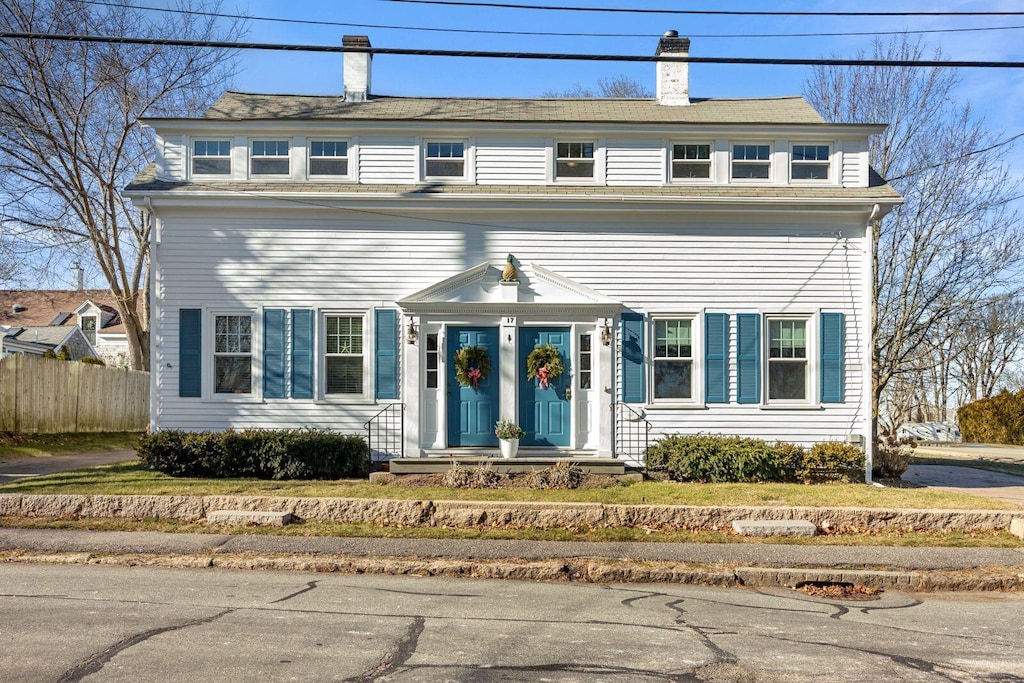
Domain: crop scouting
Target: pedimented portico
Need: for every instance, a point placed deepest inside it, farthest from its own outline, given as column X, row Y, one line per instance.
column 506, row 315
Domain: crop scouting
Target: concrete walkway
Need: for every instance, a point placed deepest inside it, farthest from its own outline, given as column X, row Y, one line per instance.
column 968, row 480
column 22, row 468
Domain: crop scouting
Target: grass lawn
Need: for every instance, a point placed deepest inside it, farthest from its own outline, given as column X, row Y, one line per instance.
column 45, row 445
column 135, row 479
column 993, row 539
column 980, row 464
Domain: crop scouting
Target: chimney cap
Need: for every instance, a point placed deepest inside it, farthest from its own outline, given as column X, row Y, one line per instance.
column 355, row 41
column 671, row 43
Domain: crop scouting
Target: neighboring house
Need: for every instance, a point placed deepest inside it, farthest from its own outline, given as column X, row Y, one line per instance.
column 90, row 310
column 700, row 265
column 36, row 341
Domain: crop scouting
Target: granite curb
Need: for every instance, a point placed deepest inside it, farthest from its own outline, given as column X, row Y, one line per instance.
column 451, row 513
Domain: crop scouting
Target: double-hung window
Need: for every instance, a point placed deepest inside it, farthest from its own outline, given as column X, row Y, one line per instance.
column 691, row 162
column 673, row 359
column 788, row 365
column 810, row 162
column 574, row 160
column 270, row 157
column 328, row 158
column 232, row 354
column 751, row 162
column 89, row 328
column 211, row 157
column 445, row 160
column 343, row 354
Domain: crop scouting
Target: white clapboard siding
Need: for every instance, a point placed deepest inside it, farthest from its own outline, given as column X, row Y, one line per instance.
column 635, row 162
column 855, row 160
column 514, row 161
column 170, row 158
column 387, row 160
column 668, row 263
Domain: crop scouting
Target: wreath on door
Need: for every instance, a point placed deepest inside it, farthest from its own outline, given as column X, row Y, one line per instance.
column 544, row 364
column 472, row 366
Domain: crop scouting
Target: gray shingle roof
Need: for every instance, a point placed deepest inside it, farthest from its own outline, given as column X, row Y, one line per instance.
column 147, row 182
column 233, row 106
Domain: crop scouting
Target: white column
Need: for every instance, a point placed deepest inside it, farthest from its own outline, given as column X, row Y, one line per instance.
column 412, row 396
column 604, row 386
column 508, row 340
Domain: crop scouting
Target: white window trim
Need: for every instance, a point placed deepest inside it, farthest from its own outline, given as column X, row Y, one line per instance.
column 697, row 359
column 320, row 349
column 190, row 152
column 692, row 181
column 813, row 354
column 598, row 176
column 256, row 353
column 466, row 158
column 271, row 176
column 770, row 161
column 833, row 163
column 95, row 331
column 323, row 177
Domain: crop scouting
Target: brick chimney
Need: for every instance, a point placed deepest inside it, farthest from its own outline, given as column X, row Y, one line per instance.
column 673, row 77
column 356, row 72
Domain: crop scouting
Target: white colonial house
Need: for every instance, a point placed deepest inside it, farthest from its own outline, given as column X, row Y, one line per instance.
column 699, row 265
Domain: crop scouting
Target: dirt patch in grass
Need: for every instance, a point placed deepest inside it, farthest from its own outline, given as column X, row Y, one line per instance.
column 841, row 591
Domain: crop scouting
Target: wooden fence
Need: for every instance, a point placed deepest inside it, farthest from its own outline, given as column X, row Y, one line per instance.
column 46, row 396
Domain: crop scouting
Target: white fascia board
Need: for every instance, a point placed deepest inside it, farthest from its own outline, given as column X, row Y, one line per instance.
column 499, row 308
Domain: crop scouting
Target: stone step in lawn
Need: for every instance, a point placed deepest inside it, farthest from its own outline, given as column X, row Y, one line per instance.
column 246, row 517
column 773, row 527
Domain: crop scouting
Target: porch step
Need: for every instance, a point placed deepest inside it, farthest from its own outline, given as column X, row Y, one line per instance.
column 432, row 465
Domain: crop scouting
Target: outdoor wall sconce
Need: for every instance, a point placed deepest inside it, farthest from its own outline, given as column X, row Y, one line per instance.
column 411, row 333
column 606, row 334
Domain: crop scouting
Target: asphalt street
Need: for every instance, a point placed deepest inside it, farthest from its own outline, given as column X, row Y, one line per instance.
column 20, row 468
column 94, row 623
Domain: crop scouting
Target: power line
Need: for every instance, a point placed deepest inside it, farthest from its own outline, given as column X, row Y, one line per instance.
column 557, row 56
column 940, row 164
column 756, row 13
column 559, row 34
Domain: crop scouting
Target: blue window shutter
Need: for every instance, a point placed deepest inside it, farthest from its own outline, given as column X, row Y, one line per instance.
column 748, row 358
column 190, row 352
column 302, row 353
column 716, row 357
column 386, row 338
column 632, row 357
column 832, row 369
column 273, row 352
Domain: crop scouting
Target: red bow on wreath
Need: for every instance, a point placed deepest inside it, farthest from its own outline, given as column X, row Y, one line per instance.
column 474, row 376
column 542, row 375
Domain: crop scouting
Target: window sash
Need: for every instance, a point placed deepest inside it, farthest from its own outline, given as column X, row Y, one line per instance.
column 673, row 359
column 810, row 162
column 433, row 357
column 270, row 157
column 788, row 360
column 89, row 328
column 232, row 354
column 343, row 354
column 328, row 158
column 586, row 360
column 691, row 161
column 574, row 160
column 751, row 162
column 211, row 157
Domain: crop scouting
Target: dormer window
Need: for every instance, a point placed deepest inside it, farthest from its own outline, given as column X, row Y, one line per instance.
column 270, row 157
column 691, row 162
column 810, row 162
column 211, row 157
column 328, row 158
column 751, row 162
column 574, row 160
column 89, row 328
column 445, row 160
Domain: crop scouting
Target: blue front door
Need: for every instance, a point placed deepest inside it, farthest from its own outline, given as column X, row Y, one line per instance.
column 545, row 411
column 473, row 412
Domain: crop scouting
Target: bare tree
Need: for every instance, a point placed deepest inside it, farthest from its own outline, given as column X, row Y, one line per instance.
column 955, row 242
column 617, row 87
column 70, row 133
column 992, row 342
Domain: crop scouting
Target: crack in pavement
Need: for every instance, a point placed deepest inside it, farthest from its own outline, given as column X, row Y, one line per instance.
column 97, row 661
column 487, row 672
column 311, row 585
column 404, row 649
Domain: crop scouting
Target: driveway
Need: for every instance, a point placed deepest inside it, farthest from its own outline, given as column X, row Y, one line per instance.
column 983, row 451
column 968, row 480
column 21, row 468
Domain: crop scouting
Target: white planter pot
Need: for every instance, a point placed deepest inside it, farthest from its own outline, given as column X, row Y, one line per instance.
column 509, row 447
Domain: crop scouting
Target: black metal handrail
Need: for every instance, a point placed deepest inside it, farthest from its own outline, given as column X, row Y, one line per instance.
column 632, row 433
column 385, row 433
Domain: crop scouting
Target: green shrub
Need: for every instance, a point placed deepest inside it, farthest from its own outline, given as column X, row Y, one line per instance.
column 89, row 360
column 263, row 454
column 999, row 419
column 832, row 461
column 718, row 458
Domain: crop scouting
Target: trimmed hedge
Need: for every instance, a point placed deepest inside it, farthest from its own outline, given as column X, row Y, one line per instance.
column 719, row 458
column 999, row 419
column 256, row 453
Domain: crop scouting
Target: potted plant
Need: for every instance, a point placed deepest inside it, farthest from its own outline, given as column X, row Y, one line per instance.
column 508, row 433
